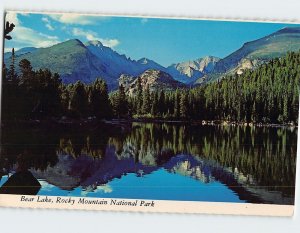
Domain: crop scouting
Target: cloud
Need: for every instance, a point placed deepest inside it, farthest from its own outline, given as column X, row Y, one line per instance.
column 90, row 35
column 50, row 27
column 33, row 38
column 28, row 37
column 48, row 23
column 6, row 50
column 12, row 18
column 45, row 19
column 69, row 18
column 144, row 20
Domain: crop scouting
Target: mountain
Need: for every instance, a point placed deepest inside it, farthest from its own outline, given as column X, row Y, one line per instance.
column 72, row 60
column 152, row 79
column 119, row 64
column 190, row 71
column 256, row 52
column 75, row 61
column 20, row 52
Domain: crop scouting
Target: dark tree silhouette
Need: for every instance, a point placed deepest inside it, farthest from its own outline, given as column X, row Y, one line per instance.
column 8, row 29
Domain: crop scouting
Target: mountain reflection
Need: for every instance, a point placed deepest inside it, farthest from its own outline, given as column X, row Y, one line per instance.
column 257, row 163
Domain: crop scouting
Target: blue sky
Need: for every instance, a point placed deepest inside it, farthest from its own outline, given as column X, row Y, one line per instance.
column 165, row 41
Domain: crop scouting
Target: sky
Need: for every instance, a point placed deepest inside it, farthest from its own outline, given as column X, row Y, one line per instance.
column 166, row 41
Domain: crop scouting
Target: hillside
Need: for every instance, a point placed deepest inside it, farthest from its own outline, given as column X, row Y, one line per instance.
column 20, row 52
column 72, row 60
column 254, row 53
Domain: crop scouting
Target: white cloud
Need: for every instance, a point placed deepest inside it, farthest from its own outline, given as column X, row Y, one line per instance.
column 48, row 23
column 12, row 18
column 90, row 35
column 144, row 20
column 45, row 19
column 6, row 50
column 28, row 37
column 110, row 42
column 50, row 27
column 33, row 38
column 69, row 18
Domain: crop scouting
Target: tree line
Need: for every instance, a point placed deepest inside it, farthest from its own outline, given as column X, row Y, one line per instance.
column 268, row 94
column 41, row 94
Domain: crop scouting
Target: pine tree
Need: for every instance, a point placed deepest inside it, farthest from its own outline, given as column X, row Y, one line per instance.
column 139, row 97
column 26, row 71
column 79, row 99
column 114, row 100
column 177, row 104
column 154, row 108
column 146, row 107
column 184, row 105
column 65, row 99
column 161, row 102
column 121, row 103
column 285, row 109
column 98, row 98
column 12, row 73
column 106, row 108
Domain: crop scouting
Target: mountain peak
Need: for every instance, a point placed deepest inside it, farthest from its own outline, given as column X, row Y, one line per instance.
column 96, row 43
column 209, row 57
column 71, row 42
column 189, row 71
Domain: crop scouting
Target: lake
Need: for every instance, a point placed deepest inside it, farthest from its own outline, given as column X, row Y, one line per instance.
column 162, row 161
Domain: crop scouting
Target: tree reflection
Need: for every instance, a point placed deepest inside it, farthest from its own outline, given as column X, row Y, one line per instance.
column 252, row 157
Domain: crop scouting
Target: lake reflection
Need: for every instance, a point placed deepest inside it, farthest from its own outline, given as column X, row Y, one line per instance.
column 158, row 161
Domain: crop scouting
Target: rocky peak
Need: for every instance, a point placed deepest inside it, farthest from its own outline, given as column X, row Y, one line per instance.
column 152, row 79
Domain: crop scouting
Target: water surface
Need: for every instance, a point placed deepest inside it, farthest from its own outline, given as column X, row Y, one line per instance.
column 157, row 161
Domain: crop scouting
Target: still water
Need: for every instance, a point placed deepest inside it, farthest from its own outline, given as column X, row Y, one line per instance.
column 153, row 161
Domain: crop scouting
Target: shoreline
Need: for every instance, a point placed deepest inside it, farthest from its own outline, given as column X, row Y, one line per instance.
column 93, row 123
column 214, row 123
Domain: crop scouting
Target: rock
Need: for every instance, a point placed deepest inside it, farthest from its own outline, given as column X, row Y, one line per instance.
column 21, row 183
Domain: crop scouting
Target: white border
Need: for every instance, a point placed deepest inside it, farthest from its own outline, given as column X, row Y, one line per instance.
column 160, row 17
column 159, row 206
column 163, row 206
column 29, row 220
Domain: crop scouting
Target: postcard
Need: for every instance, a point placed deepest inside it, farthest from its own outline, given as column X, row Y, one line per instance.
column 129, row 113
